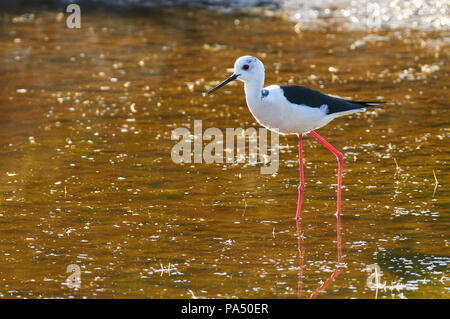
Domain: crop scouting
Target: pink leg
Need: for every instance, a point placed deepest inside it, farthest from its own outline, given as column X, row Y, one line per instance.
column 339, row 241
column 301, row 188
column 340, row 163
column 301, row 251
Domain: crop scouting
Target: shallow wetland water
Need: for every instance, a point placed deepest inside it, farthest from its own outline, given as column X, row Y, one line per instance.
column 86, row 174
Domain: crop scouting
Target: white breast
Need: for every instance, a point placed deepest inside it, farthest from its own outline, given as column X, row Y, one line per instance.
column 275, row 112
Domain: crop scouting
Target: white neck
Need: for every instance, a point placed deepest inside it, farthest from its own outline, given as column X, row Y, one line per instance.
column 253, row 91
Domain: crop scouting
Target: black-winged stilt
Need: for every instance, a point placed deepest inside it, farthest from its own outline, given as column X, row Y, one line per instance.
column 292, row 109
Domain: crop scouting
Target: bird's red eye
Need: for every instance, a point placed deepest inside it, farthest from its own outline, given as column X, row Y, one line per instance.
column 245, row 67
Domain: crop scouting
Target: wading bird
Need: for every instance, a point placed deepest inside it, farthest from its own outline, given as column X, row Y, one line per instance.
column 292, row 109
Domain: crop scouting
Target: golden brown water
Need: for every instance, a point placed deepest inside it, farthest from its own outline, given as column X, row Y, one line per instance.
column 86, row 175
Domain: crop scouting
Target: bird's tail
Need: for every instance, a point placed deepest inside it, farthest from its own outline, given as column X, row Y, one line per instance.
column 368, row 103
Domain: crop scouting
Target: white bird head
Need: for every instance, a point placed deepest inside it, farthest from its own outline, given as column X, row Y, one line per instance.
column 246, row 69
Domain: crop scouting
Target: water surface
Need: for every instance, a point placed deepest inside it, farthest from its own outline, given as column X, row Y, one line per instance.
column 86, row 175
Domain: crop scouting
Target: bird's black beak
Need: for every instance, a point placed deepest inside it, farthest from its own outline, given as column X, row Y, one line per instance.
column 231, row 78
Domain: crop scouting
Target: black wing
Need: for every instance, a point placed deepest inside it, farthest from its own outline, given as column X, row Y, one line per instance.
column 301, row 95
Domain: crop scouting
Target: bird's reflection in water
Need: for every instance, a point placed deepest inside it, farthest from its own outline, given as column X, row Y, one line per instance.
column 301, row 249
